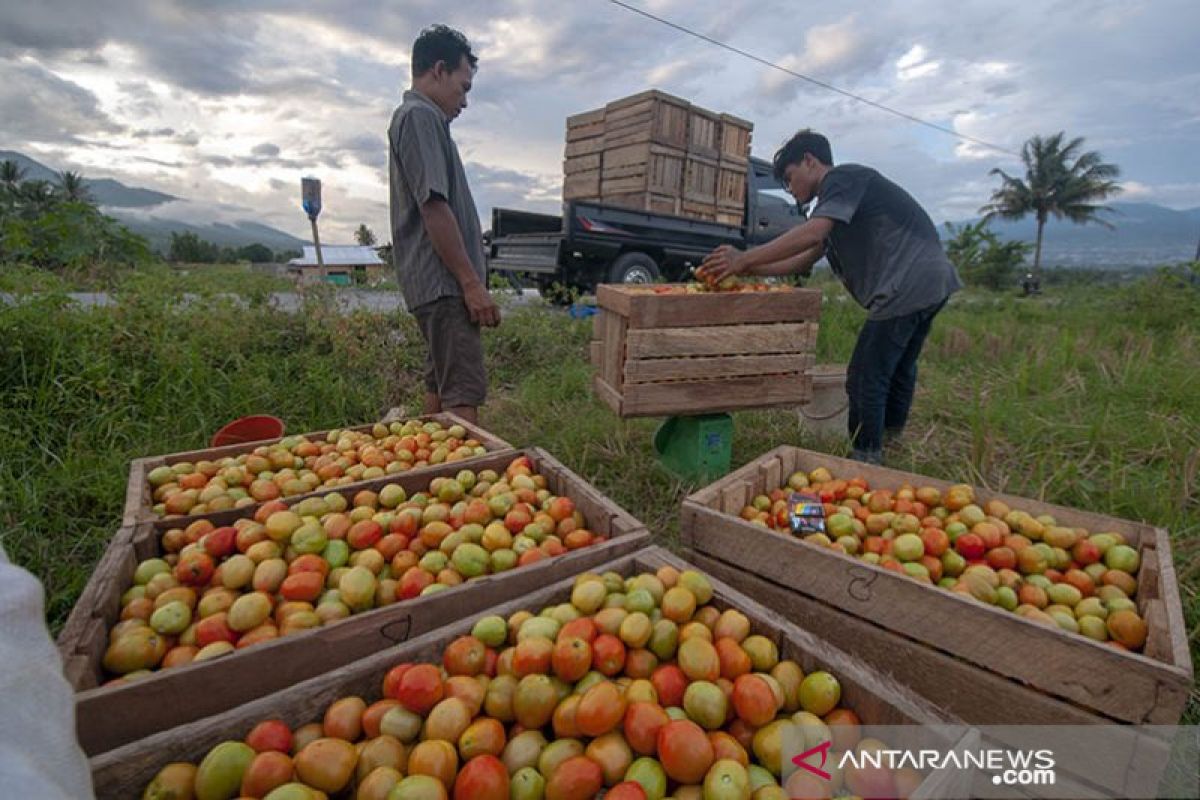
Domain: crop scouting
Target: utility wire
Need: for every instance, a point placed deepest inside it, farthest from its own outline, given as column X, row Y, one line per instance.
column 815, row 81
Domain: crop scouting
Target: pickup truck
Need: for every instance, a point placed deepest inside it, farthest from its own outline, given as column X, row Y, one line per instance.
column 594, row 243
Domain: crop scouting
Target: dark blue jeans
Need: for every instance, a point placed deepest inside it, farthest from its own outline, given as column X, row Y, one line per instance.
column 882, row 377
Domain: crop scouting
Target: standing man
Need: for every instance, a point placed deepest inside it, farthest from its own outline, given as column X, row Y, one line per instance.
column 437, row 245
column 884, row 248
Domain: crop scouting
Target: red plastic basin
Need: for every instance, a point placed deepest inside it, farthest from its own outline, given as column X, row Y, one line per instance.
column 249, row 429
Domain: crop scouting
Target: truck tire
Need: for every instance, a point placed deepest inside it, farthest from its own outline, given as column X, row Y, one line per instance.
column 633, row 268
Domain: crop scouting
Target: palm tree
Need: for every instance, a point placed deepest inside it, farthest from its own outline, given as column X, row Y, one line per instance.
column 364, row 236
column 36, row 196
column 11, row 174
column 73, row 188
column 1059, row 181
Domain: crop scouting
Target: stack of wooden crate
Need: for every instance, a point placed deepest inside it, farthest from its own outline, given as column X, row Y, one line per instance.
column 656, row 152
column 733, row 167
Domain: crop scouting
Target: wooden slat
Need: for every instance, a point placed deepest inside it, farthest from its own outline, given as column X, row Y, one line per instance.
column 645, row 309
column 584, row 147
column 107, row 717
column 704, row 128
column 700, row 179
column 137, row 494
column 610, row 396
column 976, row 696
column 734, row 498
column 779, row 337
column 1125, row 686
column 596, row 354
column 770, row 476
column 585, row 118
column 590, row 131
column 124, row 772
column 1168, row 587
column 582, row 163
column 700, row 397
column 657, row 370
column 615, row 348
column 1147, row 580
column 581, row 184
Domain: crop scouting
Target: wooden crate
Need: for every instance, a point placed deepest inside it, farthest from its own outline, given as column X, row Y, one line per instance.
column 645, row 167
column 730, row 217
column 876, row 698
column 139, row 503
column 581, row 185
column 735, row 138
column 1013, row 654
column 700, row 179
column 975, row 696
column 107, row 717
column 662, row 354
column 704, row 132
column 702, row 211
column 586, row 163
column 644, row 201
column 650, row 116
column 731, row 185
column 585, row 125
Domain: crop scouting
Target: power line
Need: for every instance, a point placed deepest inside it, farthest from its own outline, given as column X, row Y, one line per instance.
column 809, row 79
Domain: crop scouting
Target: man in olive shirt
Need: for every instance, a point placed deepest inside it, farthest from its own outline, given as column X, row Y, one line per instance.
column 885, row 249
column 437, row 245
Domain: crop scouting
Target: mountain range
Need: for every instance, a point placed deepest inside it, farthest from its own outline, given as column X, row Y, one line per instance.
column 1144, row 234
column 146, row 212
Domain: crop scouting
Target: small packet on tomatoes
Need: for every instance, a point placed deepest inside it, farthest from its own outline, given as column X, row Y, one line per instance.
column 806, row 513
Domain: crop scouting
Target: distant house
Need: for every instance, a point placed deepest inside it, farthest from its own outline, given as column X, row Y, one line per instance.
column 344, row 264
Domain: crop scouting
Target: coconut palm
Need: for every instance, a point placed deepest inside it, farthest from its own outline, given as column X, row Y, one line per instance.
column 11, row 174
column 35, row 196
column 72, row 187
column 1059, row 181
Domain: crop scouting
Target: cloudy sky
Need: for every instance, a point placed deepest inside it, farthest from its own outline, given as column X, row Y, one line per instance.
column 229, row 103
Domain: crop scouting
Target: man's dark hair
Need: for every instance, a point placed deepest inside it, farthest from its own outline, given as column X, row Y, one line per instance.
column 794, row 150
column 440, row 43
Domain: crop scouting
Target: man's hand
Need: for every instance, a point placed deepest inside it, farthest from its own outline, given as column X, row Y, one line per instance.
column 481, row 306
column 722, row 263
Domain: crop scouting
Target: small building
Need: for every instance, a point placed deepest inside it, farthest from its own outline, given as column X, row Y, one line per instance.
column 345, row 265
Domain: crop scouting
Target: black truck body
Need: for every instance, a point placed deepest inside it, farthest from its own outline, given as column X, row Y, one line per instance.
column 594, row 243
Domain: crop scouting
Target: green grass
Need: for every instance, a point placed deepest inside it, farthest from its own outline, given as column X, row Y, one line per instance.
column 1087, row 397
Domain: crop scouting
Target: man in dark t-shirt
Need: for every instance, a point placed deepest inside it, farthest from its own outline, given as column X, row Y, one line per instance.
column 885, row 250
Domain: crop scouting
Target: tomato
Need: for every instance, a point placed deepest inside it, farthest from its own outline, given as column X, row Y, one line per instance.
column 600, row 710
column 466, row 655
column 571, row 657
column 326, row 764
column 484, row 777
column 267, row 771
column 420, row 688
column 753, row 700
column 343, row 719
column 271, row 734
column 684, row 750
column 577, row 778
column 641, row 725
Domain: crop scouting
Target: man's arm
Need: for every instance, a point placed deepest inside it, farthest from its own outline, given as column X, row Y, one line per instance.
column 448, row 244
column 801, row 264
column 799, row 241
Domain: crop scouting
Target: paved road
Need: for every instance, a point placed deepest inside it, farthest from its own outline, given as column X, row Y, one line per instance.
column 347, row 299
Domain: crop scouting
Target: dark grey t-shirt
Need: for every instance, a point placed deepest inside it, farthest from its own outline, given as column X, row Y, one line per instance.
column 883, row 245
column 423, row 162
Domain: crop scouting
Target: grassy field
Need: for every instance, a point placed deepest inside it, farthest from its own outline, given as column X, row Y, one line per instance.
column 1086, row 397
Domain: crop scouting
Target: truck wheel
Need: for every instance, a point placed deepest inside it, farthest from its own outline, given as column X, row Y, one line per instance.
column 633, row 268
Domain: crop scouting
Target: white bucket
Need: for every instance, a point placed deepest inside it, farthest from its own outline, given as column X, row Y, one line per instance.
column 828, row 413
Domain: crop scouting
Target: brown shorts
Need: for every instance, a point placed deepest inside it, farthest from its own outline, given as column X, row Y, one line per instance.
column 454, row 368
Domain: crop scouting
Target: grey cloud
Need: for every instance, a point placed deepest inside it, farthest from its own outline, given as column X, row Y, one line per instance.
column 39, row 106
column 148, row 133
column 266, row 149
column 189, row 139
